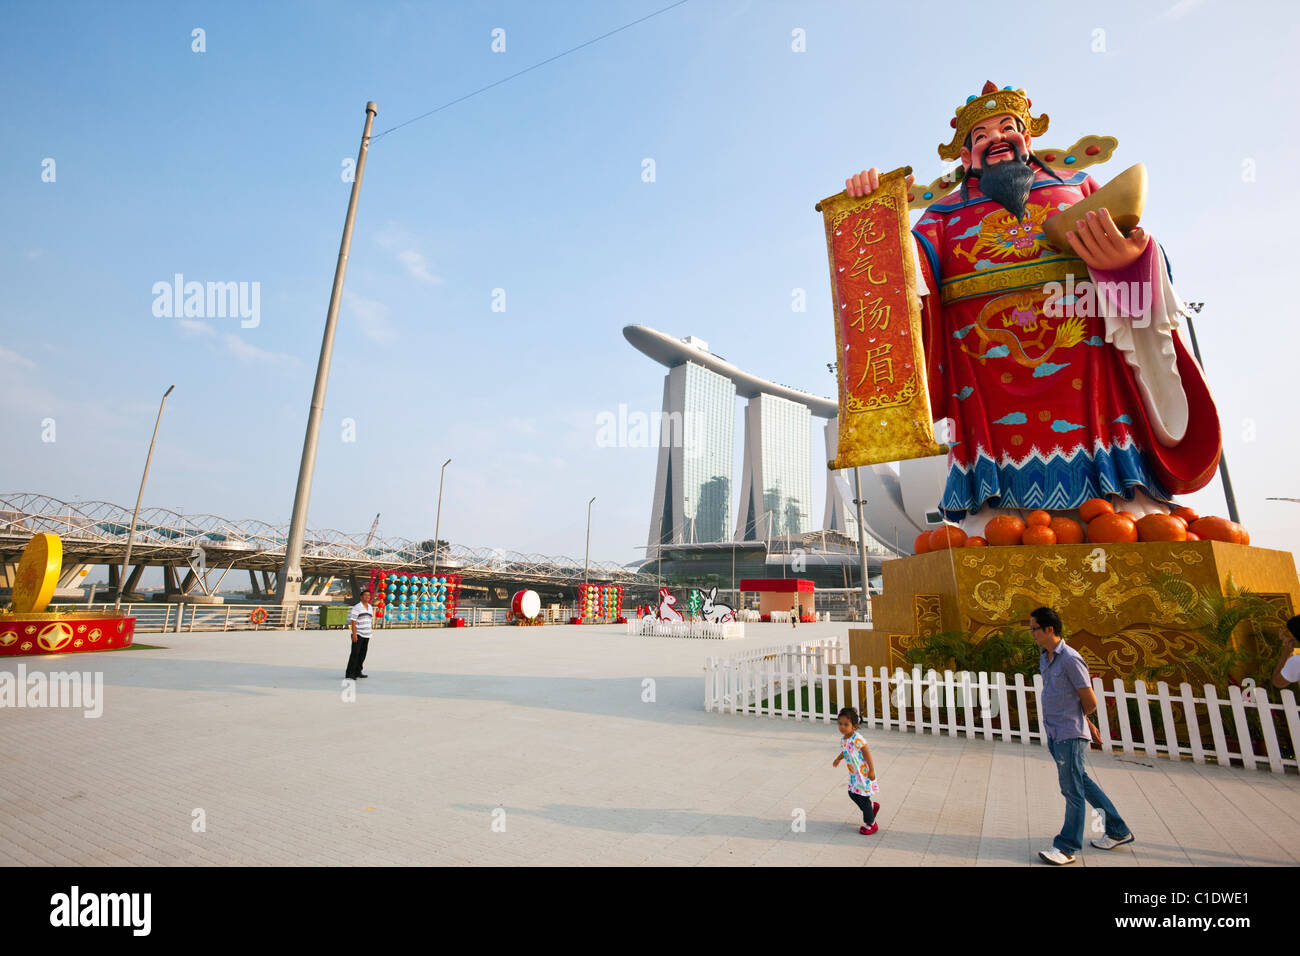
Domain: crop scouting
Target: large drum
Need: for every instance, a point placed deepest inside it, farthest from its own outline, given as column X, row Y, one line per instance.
column 526, row 604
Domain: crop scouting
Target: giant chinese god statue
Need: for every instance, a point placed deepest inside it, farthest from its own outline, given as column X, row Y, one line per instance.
column 1064, row 372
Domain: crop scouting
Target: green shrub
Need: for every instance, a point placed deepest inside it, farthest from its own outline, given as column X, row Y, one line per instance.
column 1008, row 649
column 1238, row 628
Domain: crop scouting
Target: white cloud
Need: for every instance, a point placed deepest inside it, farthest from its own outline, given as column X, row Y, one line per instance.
column 394, row 237
column 195, row 327
column 372, row 318
column 416, row 266
column 8, row 357
column 251, row 353
column 1181, row 9
column 246, row 353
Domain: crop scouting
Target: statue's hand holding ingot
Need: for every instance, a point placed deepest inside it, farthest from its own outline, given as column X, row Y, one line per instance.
column 1102, row 230
column 1099, row 242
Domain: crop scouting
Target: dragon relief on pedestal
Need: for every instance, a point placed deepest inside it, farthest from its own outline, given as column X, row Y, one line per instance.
column 998, row 600
column 1055, row 583
column 1111, row 594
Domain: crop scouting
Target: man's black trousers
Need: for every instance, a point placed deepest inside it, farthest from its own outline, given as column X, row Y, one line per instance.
column 357, row 657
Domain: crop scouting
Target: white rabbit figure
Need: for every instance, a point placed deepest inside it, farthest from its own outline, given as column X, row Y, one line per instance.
column 666, row 610
column 716, row 613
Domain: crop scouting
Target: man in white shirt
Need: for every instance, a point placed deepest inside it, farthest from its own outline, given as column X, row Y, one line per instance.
column 1288, row 665
column 360, row 618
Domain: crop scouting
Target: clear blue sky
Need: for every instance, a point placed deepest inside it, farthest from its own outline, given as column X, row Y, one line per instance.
column 225, row 166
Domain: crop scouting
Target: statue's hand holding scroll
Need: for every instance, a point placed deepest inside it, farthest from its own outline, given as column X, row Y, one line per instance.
column 867, row 181
column 884, row 406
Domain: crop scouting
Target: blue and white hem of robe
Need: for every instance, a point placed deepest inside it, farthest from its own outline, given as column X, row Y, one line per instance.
column 1055, row 481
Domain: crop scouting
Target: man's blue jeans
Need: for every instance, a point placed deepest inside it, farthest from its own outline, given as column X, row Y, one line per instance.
column 1076, row 787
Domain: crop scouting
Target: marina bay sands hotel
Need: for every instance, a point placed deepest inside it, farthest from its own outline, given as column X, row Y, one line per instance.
column 693, row 500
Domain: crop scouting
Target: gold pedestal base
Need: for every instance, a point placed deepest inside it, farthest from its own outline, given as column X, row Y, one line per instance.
column 1108, row 595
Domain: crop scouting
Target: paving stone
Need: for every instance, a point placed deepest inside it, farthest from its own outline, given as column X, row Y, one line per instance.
column 546, row 730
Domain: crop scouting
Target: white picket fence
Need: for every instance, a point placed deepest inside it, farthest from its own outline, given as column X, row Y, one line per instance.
column 649, row 627
column 809, row 682
column 736, row 684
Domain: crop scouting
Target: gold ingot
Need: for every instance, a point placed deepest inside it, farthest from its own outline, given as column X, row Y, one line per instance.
column 1124, row 197
column 38, row 574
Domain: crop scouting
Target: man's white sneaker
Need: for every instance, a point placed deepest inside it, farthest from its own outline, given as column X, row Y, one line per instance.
column 1055, row 857
column 1106, row 843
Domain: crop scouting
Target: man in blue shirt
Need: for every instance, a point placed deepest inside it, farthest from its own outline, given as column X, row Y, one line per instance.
column 1066, row 702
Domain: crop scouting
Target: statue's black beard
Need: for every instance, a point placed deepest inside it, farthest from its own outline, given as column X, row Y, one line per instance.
column 1007, row 183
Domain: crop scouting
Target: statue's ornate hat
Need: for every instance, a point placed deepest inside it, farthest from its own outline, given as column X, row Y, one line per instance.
column 989, row 102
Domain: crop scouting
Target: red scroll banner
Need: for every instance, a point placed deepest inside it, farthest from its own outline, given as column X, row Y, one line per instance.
column 884, row 402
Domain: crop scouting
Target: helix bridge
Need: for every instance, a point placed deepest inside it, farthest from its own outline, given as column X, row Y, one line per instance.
column 203, row 547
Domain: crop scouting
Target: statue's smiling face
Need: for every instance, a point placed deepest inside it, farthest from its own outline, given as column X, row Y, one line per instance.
column 997, row 155
column 995, row 140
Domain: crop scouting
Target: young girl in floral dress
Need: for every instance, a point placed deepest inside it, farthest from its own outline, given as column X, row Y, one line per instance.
column 862, row 771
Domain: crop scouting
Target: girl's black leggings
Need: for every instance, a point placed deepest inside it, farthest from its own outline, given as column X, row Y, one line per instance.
column 864, row 804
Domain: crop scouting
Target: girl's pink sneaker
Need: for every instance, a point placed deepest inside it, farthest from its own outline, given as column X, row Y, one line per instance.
column 867, row 831
column 875, row 808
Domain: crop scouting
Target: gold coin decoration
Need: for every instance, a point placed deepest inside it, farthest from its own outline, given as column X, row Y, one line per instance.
column 38, row 574
column 55, row 637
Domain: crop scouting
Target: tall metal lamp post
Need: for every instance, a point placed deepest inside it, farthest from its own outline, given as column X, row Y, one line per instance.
column 437, row 523
column 135, row 516
column 289, row 586
column 586, row 561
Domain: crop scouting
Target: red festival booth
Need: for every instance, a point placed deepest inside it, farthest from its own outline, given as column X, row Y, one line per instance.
column 782, row 594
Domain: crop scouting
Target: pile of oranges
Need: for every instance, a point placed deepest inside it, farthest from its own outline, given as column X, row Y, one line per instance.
column 1101, row 524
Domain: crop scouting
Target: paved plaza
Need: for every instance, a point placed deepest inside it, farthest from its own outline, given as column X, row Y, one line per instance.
column 514, row 746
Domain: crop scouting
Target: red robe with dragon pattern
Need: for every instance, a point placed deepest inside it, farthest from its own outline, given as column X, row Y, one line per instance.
column 1050, row 408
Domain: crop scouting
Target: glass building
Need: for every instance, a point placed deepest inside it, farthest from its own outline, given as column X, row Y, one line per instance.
column 693, row 482
column 776, row 481
column 693, row 479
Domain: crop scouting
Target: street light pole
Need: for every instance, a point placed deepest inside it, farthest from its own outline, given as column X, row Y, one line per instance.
column 586, row 561
column 862, row 543
column 1223, row 458
column 733, row 567
column 437, row 523
column 289, row 587
column 135, row 516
